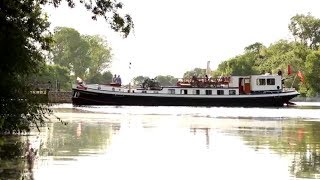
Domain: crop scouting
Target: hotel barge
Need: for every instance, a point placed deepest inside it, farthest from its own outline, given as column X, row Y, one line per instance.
column 234, row 91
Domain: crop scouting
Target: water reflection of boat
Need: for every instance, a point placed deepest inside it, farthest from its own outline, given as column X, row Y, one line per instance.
column 255, row 90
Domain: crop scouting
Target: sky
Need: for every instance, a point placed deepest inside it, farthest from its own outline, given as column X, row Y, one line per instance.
column 174, row 36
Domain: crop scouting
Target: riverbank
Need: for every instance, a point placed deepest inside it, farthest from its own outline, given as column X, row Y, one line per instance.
column 60, row 96
column 306, row 99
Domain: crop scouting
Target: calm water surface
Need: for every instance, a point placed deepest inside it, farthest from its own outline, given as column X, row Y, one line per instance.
column 107, row 142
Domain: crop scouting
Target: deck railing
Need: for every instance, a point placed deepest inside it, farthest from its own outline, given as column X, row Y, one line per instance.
column 204, row 82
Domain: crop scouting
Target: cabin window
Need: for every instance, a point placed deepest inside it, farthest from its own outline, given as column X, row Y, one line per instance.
column 197, row 92
column 271, row 81
column 183, row 91
column 208, row 92
column 232, row 92
column 220, row 92
column 261, row 82
column 144, row 91
column 171, row 91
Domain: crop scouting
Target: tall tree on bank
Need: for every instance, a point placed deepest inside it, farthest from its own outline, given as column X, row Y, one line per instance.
column 85, row 56
column 306, row 30
column 24, row 37
column 70, row 50
column 99, row 54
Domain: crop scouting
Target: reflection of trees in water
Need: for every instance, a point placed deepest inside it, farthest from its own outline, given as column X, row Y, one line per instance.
column 301, row 141
column 16, row 158
column 18, row 154
column 206, row 131
column 76, row 138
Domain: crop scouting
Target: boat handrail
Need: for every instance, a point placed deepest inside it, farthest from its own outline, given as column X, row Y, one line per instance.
column 203, row 82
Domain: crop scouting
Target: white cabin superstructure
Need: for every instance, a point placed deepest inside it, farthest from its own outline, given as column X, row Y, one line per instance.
column 235, row 85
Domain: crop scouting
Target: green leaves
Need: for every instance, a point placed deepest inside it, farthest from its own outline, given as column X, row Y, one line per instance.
column 85, row 56
column 198, row 72
column 110, row 10
column 166, row 80
column 306, row 30
column 23, row 40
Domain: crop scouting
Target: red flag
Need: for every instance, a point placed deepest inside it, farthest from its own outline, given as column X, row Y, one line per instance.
column 300, row 75
column 289, row 69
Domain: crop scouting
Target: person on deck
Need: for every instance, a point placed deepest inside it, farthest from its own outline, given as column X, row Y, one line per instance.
column 118, row 80
column 206, row 78
column 114, row 79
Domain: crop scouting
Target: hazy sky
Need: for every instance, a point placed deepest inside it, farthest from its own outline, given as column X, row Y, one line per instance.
column 173, row 36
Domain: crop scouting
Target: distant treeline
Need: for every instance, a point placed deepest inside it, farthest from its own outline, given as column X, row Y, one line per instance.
column 89, row 56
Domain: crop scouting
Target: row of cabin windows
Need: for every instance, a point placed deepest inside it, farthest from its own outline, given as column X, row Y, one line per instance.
column 269, row 81
column 197, row 92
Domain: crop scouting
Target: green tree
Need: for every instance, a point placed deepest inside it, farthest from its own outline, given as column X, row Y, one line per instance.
column 137, row 81
column 306, row 29
column 198, row 72
column 312, row 73
column 98, row 78
column 71, row 50
column 53, row 76
column 99, row 54
column 244, row 64
column 85, row 56
column 256, row 48
column 166, row 80
column 24, row 39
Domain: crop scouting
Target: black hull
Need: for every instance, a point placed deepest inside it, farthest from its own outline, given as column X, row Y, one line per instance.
column 92, row 98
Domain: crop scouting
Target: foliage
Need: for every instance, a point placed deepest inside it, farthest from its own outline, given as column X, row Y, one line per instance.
column 151, row 84
column 85, row 56
column 258, row 59
column 306, row 29
column 108, row 9
column 23, row 39
column 240, row 65
column 166, row 80
column 52, row 76
column 98, row 78
column 137, row 81
column 99, row 54
column 198, row 72
column 312, row 73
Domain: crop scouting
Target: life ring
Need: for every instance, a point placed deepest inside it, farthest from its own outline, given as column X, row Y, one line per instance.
column 113, row 89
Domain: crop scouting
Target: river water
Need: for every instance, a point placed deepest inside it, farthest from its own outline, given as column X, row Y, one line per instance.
column 108, row 142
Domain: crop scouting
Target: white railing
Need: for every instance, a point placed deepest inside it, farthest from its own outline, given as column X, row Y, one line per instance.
column 288, row 89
